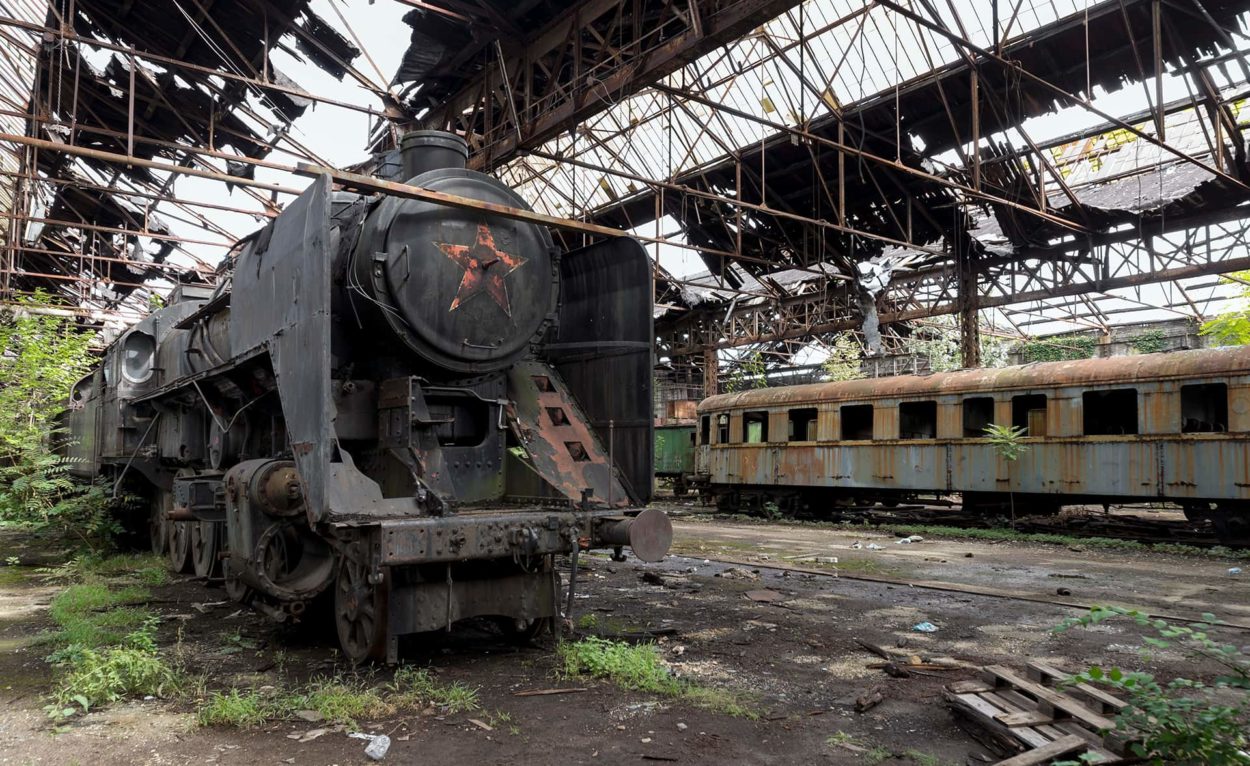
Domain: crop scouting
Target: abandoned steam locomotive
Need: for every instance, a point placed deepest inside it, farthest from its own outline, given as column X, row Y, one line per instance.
column 405, row 408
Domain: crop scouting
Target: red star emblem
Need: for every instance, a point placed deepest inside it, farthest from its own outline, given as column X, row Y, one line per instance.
column 485, row 267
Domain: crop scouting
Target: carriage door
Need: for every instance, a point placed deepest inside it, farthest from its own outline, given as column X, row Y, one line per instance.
column 702, row 450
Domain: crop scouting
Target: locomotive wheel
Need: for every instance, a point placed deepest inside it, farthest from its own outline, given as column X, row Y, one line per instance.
column 179, row 552
column 236, row 590
column 204, row 548
column 522, row 632
column 158, row 528
column 360, row 612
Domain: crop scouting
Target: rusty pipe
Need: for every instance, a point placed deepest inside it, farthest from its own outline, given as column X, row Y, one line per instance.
column 649, row 534
column 182, row 513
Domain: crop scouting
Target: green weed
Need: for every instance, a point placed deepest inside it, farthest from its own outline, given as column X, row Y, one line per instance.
column 241, row 709
column 639, row 668
column 91, row 677
column 417, row 685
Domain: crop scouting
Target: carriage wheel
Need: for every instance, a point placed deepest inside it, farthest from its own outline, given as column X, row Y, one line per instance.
column 360, row 612
column 204, row 548
column 179, row 552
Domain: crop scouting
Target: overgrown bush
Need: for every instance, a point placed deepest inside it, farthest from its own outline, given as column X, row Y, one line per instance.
column 41, row 356
column 1182, row 721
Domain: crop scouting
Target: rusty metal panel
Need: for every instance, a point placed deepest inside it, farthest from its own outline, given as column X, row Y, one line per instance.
column 604, row 351
column 567, row 454
column 1239, row 406
column 422, row 607
column 1206, row 466
column 280, row 302
column 950, row 424
column 885, row 420
column 1159, row 410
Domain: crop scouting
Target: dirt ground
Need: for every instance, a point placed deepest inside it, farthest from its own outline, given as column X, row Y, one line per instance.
column 795, row 658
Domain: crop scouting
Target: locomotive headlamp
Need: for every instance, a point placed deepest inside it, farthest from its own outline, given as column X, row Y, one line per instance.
column 138, row 357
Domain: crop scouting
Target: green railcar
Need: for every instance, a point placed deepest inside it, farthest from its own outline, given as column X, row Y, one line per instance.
column 674, row 456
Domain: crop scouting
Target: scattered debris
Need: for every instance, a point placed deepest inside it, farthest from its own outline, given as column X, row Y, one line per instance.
column 307, row 736
column 208, row 606
column 738, row 573
column 311, row 716
column 481, row 724
column 546, row 692
column 909, row 540
column 868, row 700
column 765, row 596
column 681, row 726
column 925, row 627
column 894, row 670
column 877, row 650
column 1063, row 592
column 875, row 547
column 652, row 578
column 377, row 747
column 1234, row 571
column 968, row 555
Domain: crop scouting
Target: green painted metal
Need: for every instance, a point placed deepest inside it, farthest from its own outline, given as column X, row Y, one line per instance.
column 674, row 450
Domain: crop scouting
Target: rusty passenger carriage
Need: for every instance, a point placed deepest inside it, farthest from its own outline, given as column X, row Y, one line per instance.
column 1155, row 427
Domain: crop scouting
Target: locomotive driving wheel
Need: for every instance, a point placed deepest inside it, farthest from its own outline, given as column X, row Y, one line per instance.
column 179, row 551
column 158, row 526
column 236, row 589
column 204, row 548
column 360, row 612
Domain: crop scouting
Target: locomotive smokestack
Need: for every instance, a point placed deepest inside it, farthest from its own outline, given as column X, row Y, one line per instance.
column 426, row 150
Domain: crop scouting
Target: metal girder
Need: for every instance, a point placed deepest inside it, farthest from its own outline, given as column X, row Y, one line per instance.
column 1178, row 253
column 599, row 52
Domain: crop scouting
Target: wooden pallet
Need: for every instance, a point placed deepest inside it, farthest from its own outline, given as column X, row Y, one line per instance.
column 1029, row 717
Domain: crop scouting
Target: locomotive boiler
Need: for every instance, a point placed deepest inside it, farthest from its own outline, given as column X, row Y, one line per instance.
column 401, row 408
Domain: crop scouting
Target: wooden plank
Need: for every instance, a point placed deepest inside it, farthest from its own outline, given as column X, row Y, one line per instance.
column 1028, row 736
column 1062, row 746
column 1023, row 718
column 1096, row 744
column 1040, row 671
column 983, row 712
column 969, row 687
column 1048, row 697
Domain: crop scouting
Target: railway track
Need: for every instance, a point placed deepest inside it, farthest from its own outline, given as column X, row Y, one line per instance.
column 1120, row 524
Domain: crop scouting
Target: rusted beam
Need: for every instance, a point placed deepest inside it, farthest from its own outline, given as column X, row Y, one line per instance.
column 712, row 28
column 1059, row 92
column 370, row 185
column 70, row 34
column 121, row 159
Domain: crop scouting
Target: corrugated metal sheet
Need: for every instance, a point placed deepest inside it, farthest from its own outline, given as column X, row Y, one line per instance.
column 15, row 88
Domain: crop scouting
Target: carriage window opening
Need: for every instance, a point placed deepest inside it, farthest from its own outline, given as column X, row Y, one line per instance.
column 978, row 414
column 692, row 441
column 917, row 420
column 755, row 427
column 856, row 422
column 1110, row 413
column 705, row 429
column 803, row 425
column 722, row 429
column 1028, row 411
column 1204, row 408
